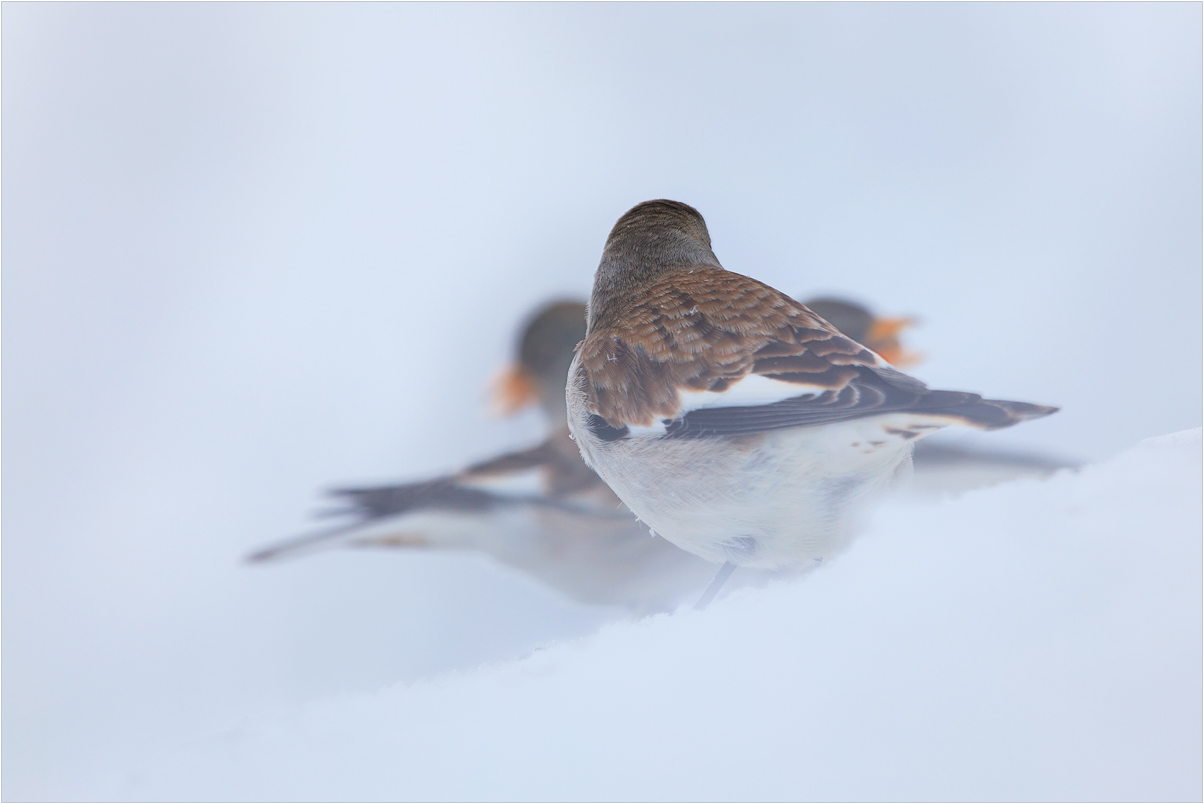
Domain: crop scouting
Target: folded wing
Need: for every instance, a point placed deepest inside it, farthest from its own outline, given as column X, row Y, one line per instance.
column 710, row 353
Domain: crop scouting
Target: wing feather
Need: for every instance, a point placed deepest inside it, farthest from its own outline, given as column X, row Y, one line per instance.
column 707, row 352
column 868, row 395
column 705, row 329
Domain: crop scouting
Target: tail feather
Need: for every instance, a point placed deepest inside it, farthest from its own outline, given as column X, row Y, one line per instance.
column 444, row 493
column 307, row 543
column 985, row 414
column 437, row 513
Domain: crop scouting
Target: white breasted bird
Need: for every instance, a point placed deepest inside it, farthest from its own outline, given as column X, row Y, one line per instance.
column 881, row 335
column 729, row 417
column 540, row 510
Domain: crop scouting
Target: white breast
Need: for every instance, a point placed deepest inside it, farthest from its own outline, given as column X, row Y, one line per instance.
column 770, row 500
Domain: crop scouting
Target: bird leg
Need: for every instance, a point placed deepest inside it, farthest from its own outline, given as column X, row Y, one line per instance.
column 720, row 578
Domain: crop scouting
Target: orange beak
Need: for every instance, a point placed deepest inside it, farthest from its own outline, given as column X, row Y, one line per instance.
column 889, row 327
column 512, row 390
column 883, row 338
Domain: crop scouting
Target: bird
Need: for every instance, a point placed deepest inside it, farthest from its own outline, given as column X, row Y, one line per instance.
column 855, row 321
column 541, row 510
column 546, row 342
column 731, row 419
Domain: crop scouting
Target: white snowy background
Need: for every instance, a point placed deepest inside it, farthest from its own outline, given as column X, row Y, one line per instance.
column 253, row 250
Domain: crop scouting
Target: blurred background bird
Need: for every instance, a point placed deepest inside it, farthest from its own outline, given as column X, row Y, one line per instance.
column 857, row 322
column 541, row 510
column 947, row 462
column 544, row 512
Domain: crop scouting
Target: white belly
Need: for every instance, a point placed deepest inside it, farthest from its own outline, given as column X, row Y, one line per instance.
column 770, row 500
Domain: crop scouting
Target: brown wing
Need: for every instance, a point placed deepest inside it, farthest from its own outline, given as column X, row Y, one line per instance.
column 706, row 328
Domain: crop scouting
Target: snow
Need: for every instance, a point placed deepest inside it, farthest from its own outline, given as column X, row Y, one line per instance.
column 252, row 251
column 1039, row 640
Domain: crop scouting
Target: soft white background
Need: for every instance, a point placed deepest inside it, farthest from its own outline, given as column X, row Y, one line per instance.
column 253, row 250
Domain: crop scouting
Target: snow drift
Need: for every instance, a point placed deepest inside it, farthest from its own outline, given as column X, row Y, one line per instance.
column 1036, row 640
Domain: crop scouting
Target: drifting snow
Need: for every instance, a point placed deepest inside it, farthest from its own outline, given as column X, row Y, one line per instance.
column 1037, row 640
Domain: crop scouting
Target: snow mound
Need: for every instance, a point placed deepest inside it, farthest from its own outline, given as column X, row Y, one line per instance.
column 1036, row 640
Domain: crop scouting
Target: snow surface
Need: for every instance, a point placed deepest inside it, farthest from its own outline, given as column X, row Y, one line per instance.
column 1039, row 640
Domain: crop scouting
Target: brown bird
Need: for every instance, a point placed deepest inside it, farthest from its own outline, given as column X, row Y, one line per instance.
column 729, row 417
